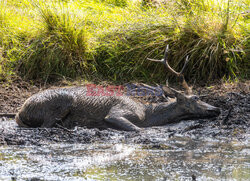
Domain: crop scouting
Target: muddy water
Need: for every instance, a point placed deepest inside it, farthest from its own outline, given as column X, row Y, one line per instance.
column 153, row 154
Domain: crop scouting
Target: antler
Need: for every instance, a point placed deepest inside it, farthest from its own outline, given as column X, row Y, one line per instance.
column 178, row 74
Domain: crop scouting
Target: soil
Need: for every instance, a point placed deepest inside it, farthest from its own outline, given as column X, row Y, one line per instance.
column 232, row 99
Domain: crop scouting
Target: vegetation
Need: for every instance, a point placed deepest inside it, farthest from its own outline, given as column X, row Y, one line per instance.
column 111, row 39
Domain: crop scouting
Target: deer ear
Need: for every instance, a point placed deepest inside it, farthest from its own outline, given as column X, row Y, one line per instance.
column 168, row 91
column 179, row 96
column 173, row 93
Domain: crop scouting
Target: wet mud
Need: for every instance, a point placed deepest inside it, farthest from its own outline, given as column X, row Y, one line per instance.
column 206, row 149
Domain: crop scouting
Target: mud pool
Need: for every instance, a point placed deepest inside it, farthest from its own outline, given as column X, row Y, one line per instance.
column 152, row 154
column 208, row 149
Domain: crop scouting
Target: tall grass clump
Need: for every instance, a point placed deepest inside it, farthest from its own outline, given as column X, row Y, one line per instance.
column 59, row 48
column 123, row 52
column 213, row 36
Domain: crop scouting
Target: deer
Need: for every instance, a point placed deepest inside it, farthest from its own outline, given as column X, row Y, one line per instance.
column 70, row 107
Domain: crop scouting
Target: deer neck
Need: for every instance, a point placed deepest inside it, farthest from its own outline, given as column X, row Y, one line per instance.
column 164, row 113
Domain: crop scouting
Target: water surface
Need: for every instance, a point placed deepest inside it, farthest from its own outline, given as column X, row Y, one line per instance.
column 157, row 156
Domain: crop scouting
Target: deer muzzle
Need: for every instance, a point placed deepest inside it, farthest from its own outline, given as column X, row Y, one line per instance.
column 213, row 111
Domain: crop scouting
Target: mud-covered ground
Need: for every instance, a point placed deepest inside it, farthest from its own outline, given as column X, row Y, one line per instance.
column 234, row 120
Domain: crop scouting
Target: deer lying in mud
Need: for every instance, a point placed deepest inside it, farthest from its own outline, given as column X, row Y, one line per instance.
column 71, row 107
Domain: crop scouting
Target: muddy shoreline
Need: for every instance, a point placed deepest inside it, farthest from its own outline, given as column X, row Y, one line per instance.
column 234, row 120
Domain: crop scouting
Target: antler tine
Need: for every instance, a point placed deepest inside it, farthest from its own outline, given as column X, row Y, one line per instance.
column 155, row 60
column 185, row 64
column 162, row 60
column 165, row 62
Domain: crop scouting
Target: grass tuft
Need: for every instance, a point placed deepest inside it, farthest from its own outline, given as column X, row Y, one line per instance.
column 58, row 49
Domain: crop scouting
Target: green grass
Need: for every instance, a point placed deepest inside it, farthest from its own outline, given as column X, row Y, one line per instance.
column 111, row 39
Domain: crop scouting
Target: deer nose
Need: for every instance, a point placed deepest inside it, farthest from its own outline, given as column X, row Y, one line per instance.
column 214, row 111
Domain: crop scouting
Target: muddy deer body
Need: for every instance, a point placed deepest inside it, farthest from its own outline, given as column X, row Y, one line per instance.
column 73, row 107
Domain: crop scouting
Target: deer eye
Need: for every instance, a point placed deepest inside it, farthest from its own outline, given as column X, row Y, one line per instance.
column 195, row 98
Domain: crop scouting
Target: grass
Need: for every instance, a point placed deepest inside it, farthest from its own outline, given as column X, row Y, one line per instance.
column 111, row 39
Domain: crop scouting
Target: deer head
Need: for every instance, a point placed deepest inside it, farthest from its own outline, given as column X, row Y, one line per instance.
column 190, row 105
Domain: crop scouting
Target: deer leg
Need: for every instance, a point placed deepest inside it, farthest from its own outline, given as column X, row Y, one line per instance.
column 55, row 119
column 121, row 123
